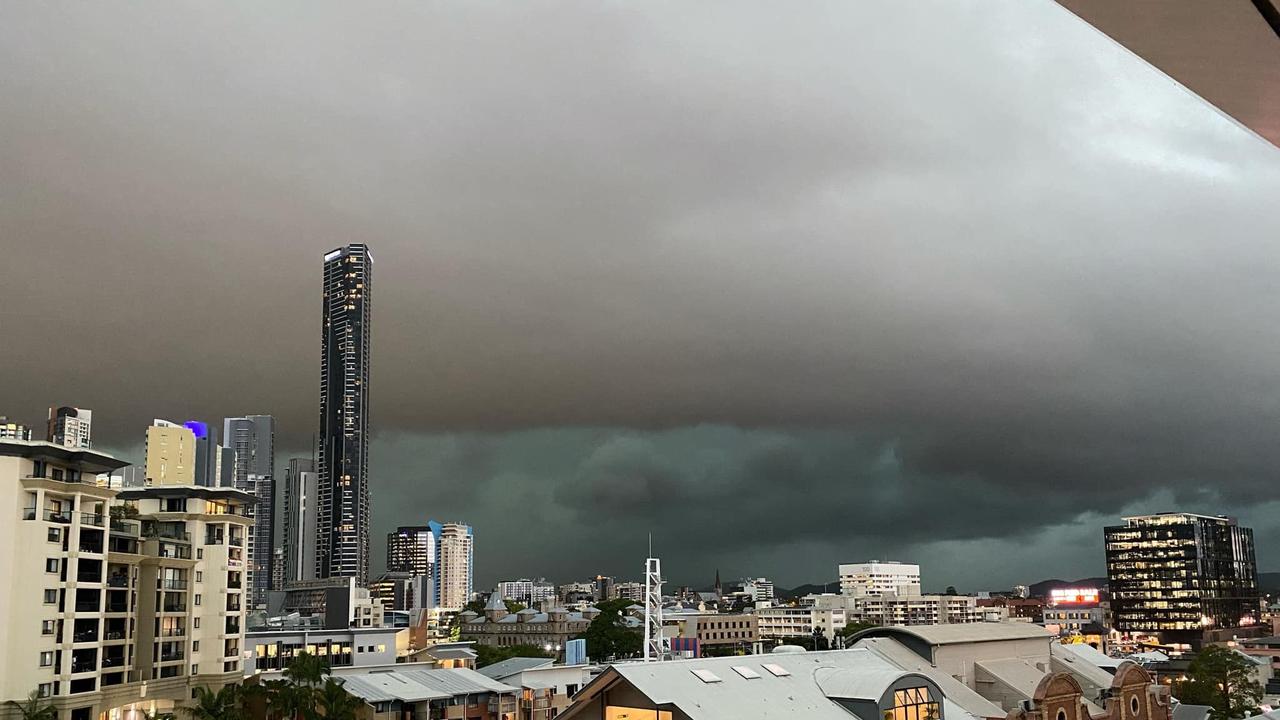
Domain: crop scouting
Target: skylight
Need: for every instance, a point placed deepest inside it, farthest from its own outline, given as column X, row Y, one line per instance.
column 706, row 676
column 776, row 670
column 746, row 672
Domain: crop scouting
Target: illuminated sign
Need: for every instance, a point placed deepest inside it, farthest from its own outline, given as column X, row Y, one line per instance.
column 1073, row 596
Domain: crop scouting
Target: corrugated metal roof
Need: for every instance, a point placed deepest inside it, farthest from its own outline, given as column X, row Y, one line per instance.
column 514, row 665
column 417, row 685
column 961, row 694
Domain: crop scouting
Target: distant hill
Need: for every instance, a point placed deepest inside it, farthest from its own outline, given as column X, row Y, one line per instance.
column 807, row 589
column 1042, row 588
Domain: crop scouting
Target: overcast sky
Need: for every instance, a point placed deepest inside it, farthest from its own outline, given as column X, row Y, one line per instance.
column 951, row 281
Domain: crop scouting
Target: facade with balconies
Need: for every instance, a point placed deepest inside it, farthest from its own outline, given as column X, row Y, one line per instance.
column 110, row 592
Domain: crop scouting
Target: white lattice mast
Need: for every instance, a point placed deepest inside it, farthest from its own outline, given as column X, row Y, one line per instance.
column 655, row 645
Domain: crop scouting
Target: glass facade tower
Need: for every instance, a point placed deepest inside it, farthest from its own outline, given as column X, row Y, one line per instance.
column 342, row 543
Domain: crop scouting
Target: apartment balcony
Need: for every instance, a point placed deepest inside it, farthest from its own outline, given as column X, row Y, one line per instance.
column 173, row 607
column 117, row 607
column 121, row 526
column 173, row 632
column 89, row 577
column 233, row 626
column 117, row 581
column 237, row 541
column 88, row 606
column 84, row 667
column 172, row 656
column 62, row 517
column 114, row 636
column 113, row 661
column 93, row 519
column 171, row 584
column 176, row 552
column 85, row 636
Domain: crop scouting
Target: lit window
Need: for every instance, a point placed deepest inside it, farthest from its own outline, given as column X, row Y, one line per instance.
column 913, row 704
column 46, row 658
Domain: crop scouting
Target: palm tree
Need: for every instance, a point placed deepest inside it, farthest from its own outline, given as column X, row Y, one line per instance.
column 221, row 705
column 306, row 669
column 35, row 708
column 338, row 703
column 286, row 701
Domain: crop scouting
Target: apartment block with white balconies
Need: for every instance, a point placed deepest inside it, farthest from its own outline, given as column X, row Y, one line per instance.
column 114, row 595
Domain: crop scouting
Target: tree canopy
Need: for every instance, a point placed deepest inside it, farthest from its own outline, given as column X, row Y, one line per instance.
column 608, row 636
column 490, row 654
column 1223, row 679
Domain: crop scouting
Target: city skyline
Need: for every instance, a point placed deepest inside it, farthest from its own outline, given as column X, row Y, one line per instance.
column 616, row 296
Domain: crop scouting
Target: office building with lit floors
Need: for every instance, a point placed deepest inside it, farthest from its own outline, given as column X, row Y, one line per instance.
column 252, row 440
column 342, row 541
column 1184, row 578
column 113, row 595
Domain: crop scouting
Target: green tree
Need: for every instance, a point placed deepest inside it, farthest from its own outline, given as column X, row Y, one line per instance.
column 223, row 704
column 608, row 636
column 35, row 707
column 513, row 606
column 306, row 669
column 1224, row 679
column 338, row 704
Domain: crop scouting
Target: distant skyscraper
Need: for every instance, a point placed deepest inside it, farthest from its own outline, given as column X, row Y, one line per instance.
column 300, row 520
column 10, row 430
column 342, row 545
column 251, row 440
column 411, row 549
column 70, row 427
column 1180, row 575
column 454, row 570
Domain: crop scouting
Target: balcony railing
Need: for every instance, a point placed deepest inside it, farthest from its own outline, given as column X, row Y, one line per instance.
column 171, row 584
column 173, row 632
column 175, row 551
column 118, row 581
column 93, row 519
column 85, row 636
column 117, row 607
column 89, row 577
column 232, row 627
column 171, row 656
column 58, row 516
column 113, row 635
column 121, row 526
column 86, row 607
column 237, row 541
column 168, row 533
column 112, row 662
column 174, row 607
column 83, row 667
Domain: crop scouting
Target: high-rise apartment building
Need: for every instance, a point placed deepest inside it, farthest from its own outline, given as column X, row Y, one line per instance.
column 10, row 430
column 171, row 454
column 300, row 521
column 70, row 427
column 1181, row 575
column 114, row 596
column 252, row 442
column 411, row 549
column 876, row 578
column 454, row 579
column 527, row 592
column 343, row 540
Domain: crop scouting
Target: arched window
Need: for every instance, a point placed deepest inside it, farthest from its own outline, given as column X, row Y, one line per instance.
column 913, row 704
column 1133, row 704
column 1062, row 714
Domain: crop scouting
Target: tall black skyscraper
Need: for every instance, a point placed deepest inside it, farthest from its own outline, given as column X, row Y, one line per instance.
column 252, row 439
column 1181, row 576
column 342, row 545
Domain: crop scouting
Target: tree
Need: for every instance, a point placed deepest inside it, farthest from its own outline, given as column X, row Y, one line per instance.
column 35, row 708
column 338, row 704
column 306, row 669
column 951, row 590
column 608, row 636
column 491, row 654
column 224, row 704
column 1224, row 679
column 513, row 606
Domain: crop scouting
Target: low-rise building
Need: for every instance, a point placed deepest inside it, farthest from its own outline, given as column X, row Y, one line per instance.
column 715, row 630
column 273, row 650
column 407, row 690
column 548, row 630
column 546, row 688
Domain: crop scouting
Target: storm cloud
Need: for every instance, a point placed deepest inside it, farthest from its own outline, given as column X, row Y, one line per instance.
column 956, row 281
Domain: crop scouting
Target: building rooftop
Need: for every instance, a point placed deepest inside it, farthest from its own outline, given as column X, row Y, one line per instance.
column 90, row 460
column 513, row 666
column 766, row 687
column 962, row 632
column 419, row 684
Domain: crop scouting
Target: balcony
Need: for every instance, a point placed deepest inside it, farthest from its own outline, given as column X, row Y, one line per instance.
column 237, row 541
column 84, row 667
column 113, row 636
column 179, row 552
column 87, row 606
column 120, row 526
column 85, row 636
column 117, row 607
column 93, row 519
column 112, row 662
column 118, row 581
column 57, row 516
column 172, row 656
column 89, row 577
column 173, row 632
column 234, row 584
column 174, row 607
column 233, row 626
column 171, row 584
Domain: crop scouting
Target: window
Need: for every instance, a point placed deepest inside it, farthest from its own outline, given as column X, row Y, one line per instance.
column 913, row 704
column 51, row 565
column 55, row 534
column 44, row 690
column 195, row 623
column 46, row 627
column 50, row 597
column 46, row 658
column 1133, row 704
column 195, row 669
column 195, row 646
column 383, row 648
column 1062, row 714
column 197, row 598
column 199, row 576
column 199, row 553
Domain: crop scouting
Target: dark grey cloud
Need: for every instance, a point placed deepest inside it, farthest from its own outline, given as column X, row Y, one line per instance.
column 841, row 281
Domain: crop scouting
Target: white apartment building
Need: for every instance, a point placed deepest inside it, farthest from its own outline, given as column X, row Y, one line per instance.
column 632, row 591
column 527, row 592
column 113, row 595
column 71, row 427
column 876, row 577
column 758, row 589
column 454, row 548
